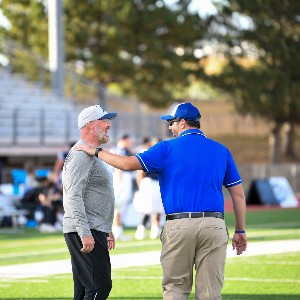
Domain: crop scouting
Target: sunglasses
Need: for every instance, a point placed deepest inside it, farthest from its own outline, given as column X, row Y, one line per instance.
column 171, row 122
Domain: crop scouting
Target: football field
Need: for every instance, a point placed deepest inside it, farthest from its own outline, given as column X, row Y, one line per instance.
column 273, row 272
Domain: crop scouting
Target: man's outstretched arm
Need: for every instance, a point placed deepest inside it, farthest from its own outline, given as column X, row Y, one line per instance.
column 126, row 163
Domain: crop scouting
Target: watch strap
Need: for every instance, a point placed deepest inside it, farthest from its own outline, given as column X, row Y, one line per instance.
column 97, row 151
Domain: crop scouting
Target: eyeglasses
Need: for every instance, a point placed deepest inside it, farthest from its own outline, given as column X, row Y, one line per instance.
column 171, row 122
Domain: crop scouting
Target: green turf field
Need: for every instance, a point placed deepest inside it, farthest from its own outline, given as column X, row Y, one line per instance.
column 259, row 277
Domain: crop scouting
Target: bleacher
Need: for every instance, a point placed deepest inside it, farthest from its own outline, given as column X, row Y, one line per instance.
column 32, row 118
column 36, row 122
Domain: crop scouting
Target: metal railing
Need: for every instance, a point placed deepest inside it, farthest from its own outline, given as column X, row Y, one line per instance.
column 42, row 127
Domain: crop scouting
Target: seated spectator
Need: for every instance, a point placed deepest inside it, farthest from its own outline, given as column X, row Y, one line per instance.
column 30, row 199
column 44, row 204
column 50, row 201
column 31, row 180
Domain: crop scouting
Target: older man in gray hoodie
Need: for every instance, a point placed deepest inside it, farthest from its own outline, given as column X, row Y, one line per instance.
column 88, row 199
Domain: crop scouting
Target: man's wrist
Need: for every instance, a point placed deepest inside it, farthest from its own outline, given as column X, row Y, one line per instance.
column 97, row 151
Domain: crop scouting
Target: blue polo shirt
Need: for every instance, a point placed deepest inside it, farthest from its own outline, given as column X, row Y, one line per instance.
column 192, row 170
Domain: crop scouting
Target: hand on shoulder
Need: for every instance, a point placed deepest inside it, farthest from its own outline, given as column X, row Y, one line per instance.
column 86, row 148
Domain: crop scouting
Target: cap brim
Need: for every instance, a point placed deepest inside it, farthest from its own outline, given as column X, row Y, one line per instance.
column 108, row 116
column 167, row 117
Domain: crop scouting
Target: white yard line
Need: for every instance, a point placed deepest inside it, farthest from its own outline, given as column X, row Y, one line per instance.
column 118, row 261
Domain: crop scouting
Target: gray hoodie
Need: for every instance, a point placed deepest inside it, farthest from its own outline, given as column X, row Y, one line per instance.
column 88, row 195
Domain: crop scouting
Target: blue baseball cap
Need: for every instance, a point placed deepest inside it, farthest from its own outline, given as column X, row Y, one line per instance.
column 186, row 111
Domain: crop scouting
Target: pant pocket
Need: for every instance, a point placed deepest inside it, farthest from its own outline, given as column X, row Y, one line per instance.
column 163, row 236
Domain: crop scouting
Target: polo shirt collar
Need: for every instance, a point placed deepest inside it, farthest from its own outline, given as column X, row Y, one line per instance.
column 191, row 131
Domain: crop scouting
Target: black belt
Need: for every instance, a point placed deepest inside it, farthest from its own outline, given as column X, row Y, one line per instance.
column 195, row 215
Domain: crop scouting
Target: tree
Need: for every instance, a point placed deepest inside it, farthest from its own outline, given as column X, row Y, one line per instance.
column 263, row 63
column 146, row 47
column 28, row 25
column 28, row 30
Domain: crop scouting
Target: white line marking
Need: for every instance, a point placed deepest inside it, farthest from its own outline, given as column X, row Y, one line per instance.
column 263, row 280
column 20, row 280
column 226, row 279
column 65, row 250
column 148, row 258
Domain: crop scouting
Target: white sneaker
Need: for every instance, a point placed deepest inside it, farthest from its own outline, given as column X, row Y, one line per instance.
column 155, row 231
column 117, row 231
column 123, row 237
column 22, row 220
column 119, row 235
column 38, row 215
column 58, row 226
column 47, row 228
column 140, row 233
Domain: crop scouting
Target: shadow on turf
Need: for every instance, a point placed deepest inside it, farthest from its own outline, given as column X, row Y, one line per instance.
column 224, row 297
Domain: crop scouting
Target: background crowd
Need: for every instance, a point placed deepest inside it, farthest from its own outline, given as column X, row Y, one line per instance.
column 42, row 196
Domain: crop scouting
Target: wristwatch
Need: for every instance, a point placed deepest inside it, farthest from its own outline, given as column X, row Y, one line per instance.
column 97, row 151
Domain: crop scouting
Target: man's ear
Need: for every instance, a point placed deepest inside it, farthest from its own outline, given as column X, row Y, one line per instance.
column 182, row 124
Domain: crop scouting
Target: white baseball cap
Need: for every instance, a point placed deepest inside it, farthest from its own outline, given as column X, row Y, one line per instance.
column 93, row 113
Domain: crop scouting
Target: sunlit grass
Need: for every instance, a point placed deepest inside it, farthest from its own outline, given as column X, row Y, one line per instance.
column 246, row 278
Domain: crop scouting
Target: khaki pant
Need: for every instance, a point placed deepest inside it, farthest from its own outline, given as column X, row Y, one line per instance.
column 199, row 242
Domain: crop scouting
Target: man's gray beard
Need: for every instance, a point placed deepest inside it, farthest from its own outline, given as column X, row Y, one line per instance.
column 105, row 139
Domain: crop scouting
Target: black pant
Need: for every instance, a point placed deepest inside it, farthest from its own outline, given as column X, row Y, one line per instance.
column 91, row 271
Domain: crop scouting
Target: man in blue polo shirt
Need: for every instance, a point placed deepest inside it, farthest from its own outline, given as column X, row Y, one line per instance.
column 192, row 170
